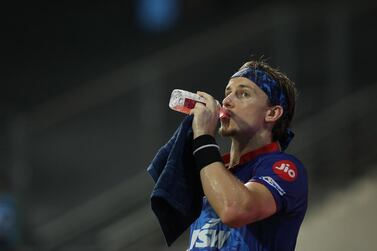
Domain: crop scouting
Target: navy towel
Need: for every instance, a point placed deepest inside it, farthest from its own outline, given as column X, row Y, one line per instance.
column 177, row 196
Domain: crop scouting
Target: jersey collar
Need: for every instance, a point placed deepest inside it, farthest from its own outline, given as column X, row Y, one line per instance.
column 249, row 156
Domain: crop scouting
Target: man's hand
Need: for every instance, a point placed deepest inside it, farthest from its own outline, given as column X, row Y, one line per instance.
column 205, row 116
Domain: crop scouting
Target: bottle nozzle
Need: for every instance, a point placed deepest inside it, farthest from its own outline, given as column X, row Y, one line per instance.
column 223, row 113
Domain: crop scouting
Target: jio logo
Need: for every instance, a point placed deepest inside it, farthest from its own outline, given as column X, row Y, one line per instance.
column 285, row 169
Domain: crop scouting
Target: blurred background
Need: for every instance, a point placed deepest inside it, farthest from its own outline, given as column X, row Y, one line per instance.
column 84, row 107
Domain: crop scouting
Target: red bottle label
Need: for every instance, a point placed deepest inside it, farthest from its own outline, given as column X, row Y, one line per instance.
column 189, row 103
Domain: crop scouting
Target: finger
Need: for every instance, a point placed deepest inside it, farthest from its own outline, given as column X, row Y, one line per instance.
column 197, row 108
column 210, row 101
column 204, row 95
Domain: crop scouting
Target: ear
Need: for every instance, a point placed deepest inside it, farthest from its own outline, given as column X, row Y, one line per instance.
column 274, row 113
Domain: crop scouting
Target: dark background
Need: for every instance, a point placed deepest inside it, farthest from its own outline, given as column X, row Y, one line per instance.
column 84, row 103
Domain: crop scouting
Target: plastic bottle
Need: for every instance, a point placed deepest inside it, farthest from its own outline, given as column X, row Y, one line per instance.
column 183, row 101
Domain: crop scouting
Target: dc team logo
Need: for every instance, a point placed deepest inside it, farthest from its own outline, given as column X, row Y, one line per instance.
column 285, row 169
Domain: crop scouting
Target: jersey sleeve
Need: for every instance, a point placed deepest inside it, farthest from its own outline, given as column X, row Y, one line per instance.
column 285, row 177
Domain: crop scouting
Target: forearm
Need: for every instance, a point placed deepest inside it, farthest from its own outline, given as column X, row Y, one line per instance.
column 228, row 196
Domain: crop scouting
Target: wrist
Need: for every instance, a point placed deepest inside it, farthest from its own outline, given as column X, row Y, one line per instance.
column 206, row 151
column 202, row 133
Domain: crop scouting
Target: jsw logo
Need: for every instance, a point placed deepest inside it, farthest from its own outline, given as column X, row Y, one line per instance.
column 205, row 237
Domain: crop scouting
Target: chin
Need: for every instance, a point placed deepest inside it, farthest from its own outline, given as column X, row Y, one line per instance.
column 227, row 132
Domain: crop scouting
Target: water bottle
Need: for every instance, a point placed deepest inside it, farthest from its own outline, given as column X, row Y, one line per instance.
column 183, row 101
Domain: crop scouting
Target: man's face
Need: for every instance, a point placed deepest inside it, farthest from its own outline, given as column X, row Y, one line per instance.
column 247, row 105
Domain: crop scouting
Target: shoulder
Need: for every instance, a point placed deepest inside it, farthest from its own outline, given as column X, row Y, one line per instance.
column 280, row 156
column 286, row 166
column 286, row 177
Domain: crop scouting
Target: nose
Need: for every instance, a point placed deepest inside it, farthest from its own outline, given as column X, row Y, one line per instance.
column 227, row 101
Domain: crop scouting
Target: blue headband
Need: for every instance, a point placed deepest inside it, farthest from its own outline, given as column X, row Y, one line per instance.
column 273, row 91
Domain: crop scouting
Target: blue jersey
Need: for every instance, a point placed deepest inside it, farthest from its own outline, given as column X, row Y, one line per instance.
column 285, row 177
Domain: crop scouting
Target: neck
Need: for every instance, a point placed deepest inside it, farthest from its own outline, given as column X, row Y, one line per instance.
column 241, row 146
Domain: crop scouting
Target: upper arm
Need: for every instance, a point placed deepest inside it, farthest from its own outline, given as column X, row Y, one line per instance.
column 263, row 201
column 257, row 204
column 276, row 185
